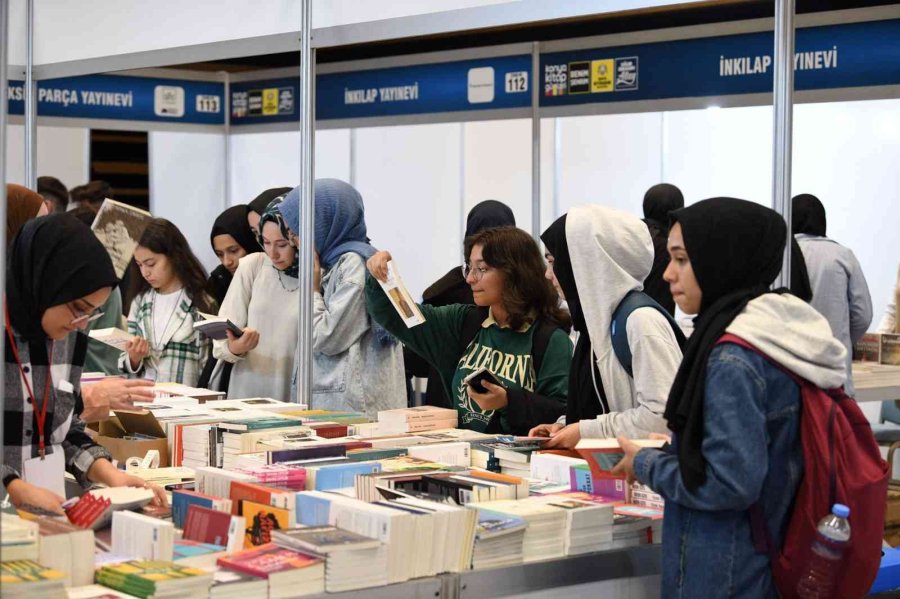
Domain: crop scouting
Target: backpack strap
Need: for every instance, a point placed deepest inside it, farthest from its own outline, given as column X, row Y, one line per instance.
column 540, row 341
column 617, row 327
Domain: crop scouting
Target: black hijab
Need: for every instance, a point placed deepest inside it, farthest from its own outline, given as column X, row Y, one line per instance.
column 54, row 260
column 808, row 215
column 736, row 250
column 234, row 222
column 583, row 402
column 659, row 201
column 452, row 287
column 487, row 215
column 262, row 201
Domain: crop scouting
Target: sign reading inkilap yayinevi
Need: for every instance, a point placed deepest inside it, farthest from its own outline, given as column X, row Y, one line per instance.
column 834, row 56
column 125, row 98
column 483, row 84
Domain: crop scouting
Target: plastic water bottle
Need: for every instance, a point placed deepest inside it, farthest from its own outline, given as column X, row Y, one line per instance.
column 818, row 579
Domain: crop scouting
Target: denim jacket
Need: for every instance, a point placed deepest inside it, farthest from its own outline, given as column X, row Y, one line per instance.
column 753, row 453
column 352, row 370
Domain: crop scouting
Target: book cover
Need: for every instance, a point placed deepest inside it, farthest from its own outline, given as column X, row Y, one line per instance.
column 216, row 327
column 185, row 548
column 400, row 298
column 890, row 349
column 582, row 480
column 119, row 228
column 182, row 499
column 323, row 539
column 638, row 511
column 25, row 571
column 418, row 413
column 313, row 509
column 261, row 520
column 868, row 348
column 206, row 525
column 267, row 559
column 246, row 491
column 341, row 476
column 602, row 455
column 494, row 524
column 297, row 454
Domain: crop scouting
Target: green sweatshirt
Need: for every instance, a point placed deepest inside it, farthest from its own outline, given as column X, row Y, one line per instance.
column 534, row 398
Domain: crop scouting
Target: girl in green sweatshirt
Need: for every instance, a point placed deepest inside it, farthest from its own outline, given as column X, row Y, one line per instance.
column 517, row 334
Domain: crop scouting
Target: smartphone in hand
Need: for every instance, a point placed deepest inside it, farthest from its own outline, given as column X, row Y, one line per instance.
column 476, row 378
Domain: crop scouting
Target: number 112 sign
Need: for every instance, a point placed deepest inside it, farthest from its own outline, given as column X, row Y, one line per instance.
column 517, row 82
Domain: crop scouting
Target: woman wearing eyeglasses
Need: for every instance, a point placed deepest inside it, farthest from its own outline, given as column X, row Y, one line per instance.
column 170, row 297
column 516, row 335
column 58, row 275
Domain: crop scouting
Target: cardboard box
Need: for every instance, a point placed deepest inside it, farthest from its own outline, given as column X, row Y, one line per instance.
column 112, row 435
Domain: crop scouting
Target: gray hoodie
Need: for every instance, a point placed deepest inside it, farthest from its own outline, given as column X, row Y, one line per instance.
column 612, row 253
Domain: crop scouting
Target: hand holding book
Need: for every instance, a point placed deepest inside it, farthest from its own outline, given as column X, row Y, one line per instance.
column 247, row 342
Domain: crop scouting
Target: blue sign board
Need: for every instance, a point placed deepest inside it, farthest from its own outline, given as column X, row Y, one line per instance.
column 835, row 56
column 125, row 98
column 483, row 84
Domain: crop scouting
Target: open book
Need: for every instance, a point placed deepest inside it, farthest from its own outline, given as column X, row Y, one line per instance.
column 119, row 228
column 115, row 337
column 400, row 298
column 214, row 327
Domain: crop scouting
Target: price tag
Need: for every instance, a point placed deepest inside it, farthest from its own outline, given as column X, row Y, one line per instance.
column 517, row 82
column 208, row 103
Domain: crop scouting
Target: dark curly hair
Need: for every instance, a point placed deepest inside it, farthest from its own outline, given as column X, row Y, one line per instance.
column 527, row 294
column 163, row 237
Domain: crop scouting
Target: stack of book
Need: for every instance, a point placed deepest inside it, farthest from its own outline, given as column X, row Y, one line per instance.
column 289, row 573
column 456, row 453
column 142, row 537
column 26, row 579
column 414, row 420
column 196, row 554
column 589, row 525
column 217, row 482
column 636, row 525
column 96, row 591
column 95, row 508
column 67, row 548
column 352, row 561
column 513, row 456
column 19, row 540
column 228, row 584
column 285, row 476
column 498, row 540
column 158, row 579
column 545, row 537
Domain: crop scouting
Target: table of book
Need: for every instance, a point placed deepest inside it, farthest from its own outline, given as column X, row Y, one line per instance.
column 617, row 564
column 876, row 382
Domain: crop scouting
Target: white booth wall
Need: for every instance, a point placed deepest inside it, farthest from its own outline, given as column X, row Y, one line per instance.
column 62, row 152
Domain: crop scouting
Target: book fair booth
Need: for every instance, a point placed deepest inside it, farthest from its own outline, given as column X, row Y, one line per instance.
column 542, row 125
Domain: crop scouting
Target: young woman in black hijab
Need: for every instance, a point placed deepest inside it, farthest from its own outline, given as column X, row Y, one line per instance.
column 58, row 276
column 735, row 416
column 257, row 207
column 231, row 240
column 660, row 201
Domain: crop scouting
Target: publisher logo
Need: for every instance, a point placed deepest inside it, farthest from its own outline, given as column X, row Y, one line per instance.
column 579, row 77
column 626, row 73
column 556, row 77
column 602, row 75
column 481, row 85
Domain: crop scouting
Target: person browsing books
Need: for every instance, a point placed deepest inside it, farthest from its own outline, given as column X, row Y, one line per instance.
column 58, row 275
column 262, row 301
column 258, row 206
column 453, row 289
column 231, row 240
column 734, row 412
column 358, row 365
column 514, row 330
column 839, row 289
column 597, row 257
column 171, row 294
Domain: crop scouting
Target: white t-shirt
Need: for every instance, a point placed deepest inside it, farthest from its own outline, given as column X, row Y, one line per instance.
column 164, row 308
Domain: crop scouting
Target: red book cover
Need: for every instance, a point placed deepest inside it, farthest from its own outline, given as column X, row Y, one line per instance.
column 266, row 559
column 329, row 431
column 206, row 525
column 241, row 491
